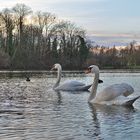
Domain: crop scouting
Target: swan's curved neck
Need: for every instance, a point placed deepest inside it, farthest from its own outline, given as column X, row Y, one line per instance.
column 59, row 70
column 94, row 86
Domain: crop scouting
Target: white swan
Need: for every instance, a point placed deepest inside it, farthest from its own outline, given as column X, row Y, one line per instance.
column 71, row 85
column 116, row 94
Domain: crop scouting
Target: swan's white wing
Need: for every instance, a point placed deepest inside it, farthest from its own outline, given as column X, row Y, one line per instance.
column 129, row 89
column 70, row 85
column 114, row 91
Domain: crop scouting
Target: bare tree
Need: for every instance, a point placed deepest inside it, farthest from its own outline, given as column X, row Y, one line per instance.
column 7, row 18
column 68, row 41
column 32, row 41
column 45, row 21
column 21, row 11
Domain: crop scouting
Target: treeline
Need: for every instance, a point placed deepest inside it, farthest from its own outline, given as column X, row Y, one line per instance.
column 37, row 40
column 123, row 57
column 31, row 40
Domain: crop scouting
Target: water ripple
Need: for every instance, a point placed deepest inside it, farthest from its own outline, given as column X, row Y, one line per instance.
column 32, row 110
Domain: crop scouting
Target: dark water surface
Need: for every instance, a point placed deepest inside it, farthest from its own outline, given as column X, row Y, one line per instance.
column 32, row 110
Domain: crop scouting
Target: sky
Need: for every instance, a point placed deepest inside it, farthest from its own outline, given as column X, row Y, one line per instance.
column 108, row 18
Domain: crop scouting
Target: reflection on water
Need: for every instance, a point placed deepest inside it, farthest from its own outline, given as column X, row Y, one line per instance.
column 114, row 122
column 32, row 110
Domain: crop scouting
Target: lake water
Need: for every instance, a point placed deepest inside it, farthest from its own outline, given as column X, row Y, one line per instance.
column 32, row 110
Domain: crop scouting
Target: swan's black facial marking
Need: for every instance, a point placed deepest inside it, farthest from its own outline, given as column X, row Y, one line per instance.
column 90, row 67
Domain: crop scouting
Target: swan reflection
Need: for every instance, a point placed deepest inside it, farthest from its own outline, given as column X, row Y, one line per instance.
column 107, row 118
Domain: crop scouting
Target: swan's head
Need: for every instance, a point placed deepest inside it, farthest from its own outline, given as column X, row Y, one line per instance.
column 56, row 66
column 92, row 69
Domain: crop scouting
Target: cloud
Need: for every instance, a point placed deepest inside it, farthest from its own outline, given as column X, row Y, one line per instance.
column 70, row 1
column 42, row 3
column 11, row 3
column 93, row 15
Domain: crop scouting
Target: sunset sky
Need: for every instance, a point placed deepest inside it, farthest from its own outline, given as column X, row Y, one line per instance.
column 119, row 18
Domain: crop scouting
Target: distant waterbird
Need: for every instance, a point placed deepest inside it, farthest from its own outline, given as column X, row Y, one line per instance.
column 27, row 79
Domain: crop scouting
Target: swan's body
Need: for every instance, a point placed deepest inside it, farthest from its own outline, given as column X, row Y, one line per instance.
column 70, row 85
column 73, row 86
column 116, row 94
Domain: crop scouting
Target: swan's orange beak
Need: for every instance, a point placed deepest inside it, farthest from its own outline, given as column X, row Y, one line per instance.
column 87, row 71
column 53, row 68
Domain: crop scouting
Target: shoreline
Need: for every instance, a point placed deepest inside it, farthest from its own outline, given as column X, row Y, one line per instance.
column 50, row 74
